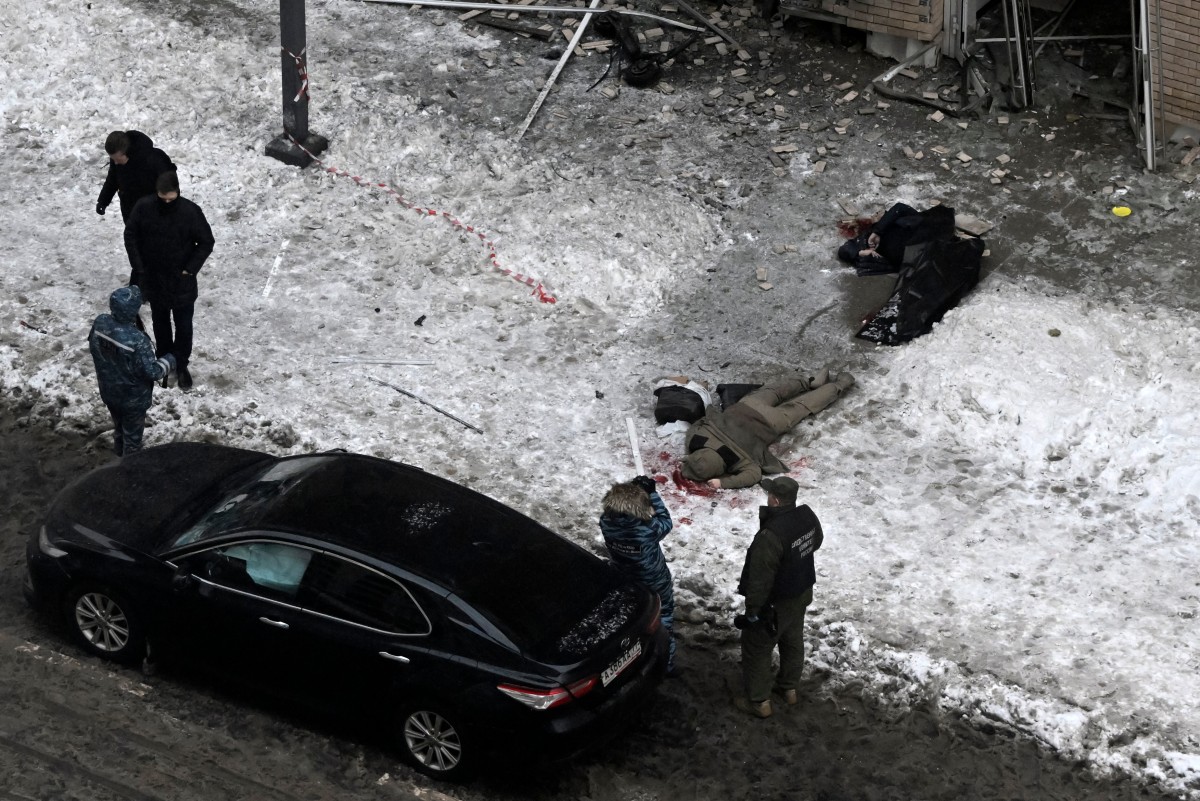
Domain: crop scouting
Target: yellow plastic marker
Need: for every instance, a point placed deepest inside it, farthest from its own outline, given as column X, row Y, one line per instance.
column 1122, row 211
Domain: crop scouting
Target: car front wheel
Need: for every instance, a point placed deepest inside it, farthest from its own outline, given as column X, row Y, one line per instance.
column 435, row 744
column 104, row 623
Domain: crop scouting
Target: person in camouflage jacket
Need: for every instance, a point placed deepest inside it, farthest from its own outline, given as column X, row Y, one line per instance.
column 125, row 367
column 634, row 522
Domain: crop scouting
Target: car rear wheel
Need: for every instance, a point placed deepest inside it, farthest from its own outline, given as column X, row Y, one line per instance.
column 435, row 743
column 104, row 623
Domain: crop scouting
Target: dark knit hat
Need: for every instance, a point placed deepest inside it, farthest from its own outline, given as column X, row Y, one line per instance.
column 783, row 488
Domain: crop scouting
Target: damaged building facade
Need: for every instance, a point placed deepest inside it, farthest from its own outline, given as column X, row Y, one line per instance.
column 1174, row 56
column 1162, row 93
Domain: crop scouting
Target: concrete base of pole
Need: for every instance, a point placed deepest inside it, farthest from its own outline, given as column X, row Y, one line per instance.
column 283, row 148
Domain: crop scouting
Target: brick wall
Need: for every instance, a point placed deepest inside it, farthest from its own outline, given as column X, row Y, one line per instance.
column 1178, row 63
column 912, row 19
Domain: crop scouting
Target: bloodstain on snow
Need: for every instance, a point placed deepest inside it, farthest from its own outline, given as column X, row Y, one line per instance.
column 852, row 228
column 691, row 487
column 685, row 521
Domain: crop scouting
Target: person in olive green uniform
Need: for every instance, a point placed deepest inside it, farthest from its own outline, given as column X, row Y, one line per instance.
column 777, row 581
column 731, row 449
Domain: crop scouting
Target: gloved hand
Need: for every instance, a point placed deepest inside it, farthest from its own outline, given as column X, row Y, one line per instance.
column 646, row 483
column 100, row 209
column 167, row 362
column 741, row 622
column 767, row 618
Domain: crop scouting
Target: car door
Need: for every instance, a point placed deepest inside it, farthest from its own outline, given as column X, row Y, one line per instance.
column 236, row 611
column 368, row 637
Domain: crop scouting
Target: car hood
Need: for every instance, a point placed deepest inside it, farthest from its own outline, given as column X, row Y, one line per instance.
column 132, row 500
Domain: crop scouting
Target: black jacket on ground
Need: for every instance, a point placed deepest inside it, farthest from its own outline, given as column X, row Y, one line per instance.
column 167, row 244
column 136, row 178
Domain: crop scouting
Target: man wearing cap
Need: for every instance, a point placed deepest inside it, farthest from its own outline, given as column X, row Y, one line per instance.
column 777, row 581
column 731, row 449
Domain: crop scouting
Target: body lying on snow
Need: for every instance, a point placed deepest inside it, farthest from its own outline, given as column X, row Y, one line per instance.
column 936, row 269
column 730, row 449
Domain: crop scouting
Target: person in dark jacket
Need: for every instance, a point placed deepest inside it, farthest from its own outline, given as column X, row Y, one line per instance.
column 777, row 581
column 880, row 248
column 125, row 367
column 634, row 523
column 731, row 449
column 133, row 168
column 168, row 239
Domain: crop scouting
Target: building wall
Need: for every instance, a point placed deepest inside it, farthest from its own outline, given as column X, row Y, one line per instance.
column 1178, row 63
column 912, row 19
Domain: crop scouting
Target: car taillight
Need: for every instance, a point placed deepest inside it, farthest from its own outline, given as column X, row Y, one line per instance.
column 548, row 699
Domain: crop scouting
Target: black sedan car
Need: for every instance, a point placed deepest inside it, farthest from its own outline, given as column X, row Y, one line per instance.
column 356, row 585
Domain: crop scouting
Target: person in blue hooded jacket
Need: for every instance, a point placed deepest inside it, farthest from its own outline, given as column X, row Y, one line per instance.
column 125, row 367
column 634, row 522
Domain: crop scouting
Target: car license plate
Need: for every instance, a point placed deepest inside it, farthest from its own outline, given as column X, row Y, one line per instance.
column 627, row 659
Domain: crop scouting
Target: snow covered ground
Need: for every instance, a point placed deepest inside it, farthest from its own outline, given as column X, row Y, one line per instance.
column 1011, row 502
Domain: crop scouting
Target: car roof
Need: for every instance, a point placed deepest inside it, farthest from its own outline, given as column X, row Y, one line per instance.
column 488, row 554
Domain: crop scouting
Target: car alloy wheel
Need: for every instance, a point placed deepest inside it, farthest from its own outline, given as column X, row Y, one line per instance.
column 103, row 623
column 433, row 743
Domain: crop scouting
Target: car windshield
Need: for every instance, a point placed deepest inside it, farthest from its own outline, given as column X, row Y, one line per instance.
column 247, row 502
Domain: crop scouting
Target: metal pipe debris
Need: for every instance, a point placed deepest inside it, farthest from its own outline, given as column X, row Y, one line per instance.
column 468, row 6
column 427, row 403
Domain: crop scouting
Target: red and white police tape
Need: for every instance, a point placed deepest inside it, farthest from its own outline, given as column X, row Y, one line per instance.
column 539, row 289
column 302, row 71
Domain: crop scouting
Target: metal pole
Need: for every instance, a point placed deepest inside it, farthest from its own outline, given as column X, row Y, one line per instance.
column 587, row 17
column 1059, row 38
column 1057, row 22
column 696, row 15
column 895, row 70
column 419, row 399
column 1162, row 100
column 633, row 446
column 1151, row 134
column 293, row 42
column 293, row 58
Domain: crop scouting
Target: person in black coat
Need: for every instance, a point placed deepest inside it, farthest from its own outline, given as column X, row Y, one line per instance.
column 168, row 239
column 134, row 166
column 880, row 248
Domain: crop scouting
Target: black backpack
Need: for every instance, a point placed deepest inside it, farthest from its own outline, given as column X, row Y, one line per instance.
column 677, row 403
